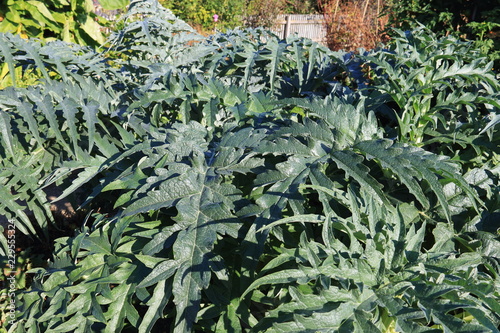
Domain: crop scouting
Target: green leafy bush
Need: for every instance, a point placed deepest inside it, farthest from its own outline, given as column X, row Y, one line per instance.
column 200, row 13
column 240, row 182
column 476, row 21
column 436, row 84
column 70, row 21
column 49, row 21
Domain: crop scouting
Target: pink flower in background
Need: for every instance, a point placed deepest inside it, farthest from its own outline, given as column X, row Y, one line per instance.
column 216, row 17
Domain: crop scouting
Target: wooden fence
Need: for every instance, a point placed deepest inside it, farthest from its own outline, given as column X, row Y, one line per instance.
column 309, row 26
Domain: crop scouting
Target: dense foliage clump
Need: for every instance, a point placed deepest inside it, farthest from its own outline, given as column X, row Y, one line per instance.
column 478, row 21
column 70, row 21
column 240, row 182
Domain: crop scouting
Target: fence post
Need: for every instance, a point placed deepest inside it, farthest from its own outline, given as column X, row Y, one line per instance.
column 287, row 26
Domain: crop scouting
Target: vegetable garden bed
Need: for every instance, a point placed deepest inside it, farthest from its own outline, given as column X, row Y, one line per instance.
column 240, row 182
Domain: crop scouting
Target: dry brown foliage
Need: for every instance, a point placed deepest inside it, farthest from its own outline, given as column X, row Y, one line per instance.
column 353, row 24
column 262, row 13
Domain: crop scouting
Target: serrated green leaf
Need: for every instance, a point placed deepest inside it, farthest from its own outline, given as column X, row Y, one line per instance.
column 283, row 276
column 310, row 218
column 117, row 311
column 160, row 272
column 157, row 303
column 351, row 164
column 5, row 130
